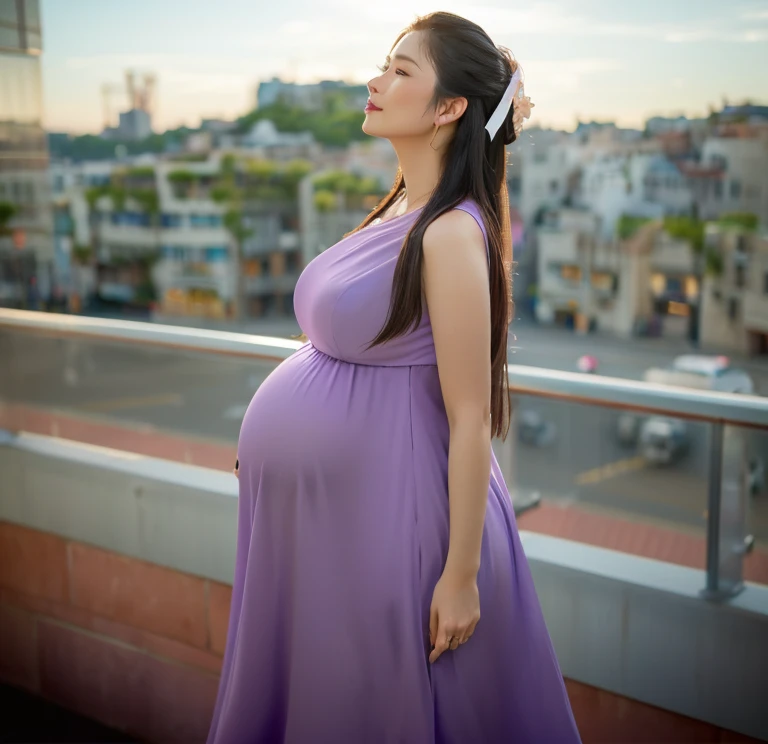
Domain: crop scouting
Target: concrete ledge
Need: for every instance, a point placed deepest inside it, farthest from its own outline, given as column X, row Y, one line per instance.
column 639, row 628
column 629, row 625
column 175, row 515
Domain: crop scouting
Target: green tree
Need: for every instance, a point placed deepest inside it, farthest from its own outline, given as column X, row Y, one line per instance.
column 325, row 200
column 687, row 229
column 713, row 262
column 7, row 213
column 229, row 193
column 627, row 225
column 334, row 126
column 140, row 173
column 82, row 254
column 182, row 182
column 742, row 220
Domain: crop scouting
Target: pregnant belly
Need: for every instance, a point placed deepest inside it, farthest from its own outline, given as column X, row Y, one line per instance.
column 317, row 413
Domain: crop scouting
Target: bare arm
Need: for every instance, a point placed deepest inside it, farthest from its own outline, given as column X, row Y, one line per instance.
column 456, row 288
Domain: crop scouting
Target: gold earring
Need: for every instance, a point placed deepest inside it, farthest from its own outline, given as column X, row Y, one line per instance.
column 437, row 127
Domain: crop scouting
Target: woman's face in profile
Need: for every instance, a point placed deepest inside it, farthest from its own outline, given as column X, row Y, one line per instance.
column 402, row 92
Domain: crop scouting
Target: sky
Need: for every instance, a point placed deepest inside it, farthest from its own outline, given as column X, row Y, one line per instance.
column 583, row 59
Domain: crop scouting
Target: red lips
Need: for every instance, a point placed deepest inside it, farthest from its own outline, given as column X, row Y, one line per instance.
column 370, row 106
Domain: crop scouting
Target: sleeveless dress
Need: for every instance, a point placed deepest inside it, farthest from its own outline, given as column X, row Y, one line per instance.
column 343, row 534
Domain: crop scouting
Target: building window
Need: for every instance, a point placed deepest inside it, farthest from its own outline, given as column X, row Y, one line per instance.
column 691, row 287
column 735, row 189
column 733, row 308
column 674, row 286
column 553, row 187
column 205, row 220
column 216, row 253
column 134, row 219
column 718, row 161
column 765, row 282
column 171, row 220
column 741, row 276
column 604, row 281
column 570, row 273
column 173, row 252
column 718, row 189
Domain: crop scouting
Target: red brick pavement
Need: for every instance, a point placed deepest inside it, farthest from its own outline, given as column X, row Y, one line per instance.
column 632, row 536
column 140, row 439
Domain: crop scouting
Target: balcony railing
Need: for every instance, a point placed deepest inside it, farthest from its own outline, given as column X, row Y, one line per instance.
column 102, row 381
column 118, row 516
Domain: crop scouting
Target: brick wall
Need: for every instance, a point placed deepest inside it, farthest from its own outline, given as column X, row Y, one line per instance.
column 134, row 645
column 139, row 647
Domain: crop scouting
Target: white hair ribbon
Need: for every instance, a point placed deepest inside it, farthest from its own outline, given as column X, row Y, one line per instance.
column 498, row 116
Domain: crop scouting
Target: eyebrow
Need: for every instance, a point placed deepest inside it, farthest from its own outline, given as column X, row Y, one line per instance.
column 403, row 56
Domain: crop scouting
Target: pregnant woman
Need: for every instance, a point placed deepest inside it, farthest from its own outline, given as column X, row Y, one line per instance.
column 381, row 593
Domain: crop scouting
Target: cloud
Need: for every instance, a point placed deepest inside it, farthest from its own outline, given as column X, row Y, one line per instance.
column 755, row 15
column 152, row 61
column 753, row 36
column 566, row 74
column 550, row 19
column 296, row 28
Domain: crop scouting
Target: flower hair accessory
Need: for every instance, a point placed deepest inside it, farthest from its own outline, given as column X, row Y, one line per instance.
column 522, row 109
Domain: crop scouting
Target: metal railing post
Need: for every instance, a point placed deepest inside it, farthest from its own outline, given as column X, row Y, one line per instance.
column 716, row 432
column 726, row 512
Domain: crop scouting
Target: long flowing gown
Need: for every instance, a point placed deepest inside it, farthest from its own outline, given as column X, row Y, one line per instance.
column 343, row 534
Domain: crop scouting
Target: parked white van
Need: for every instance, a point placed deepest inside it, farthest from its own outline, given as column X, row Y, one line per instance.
column 663, row 440
column 704, row 373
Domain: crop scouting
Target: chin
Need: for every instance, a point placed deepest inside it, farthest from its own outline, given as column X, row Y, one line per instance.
column 368, row 129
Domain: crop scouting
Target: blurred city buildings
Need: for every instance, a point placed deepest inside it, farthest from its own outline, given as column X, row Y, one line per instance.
column 634, row 232
column 26, row 227
column 117, row 504
column 311, row 96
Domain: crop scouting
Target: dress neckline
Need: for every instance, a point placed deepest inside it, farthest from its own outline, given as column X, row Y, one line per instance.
column 378, row 222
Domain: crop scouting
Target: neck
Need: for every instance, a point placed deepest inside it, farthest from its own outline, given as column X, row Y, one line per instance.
column 421, row 167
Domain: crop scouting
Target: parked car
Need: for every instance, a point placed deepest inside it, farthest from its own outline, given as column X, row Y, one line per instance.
column 534, row 430
column 663, row 440
column 689, row 370
column 703, row 373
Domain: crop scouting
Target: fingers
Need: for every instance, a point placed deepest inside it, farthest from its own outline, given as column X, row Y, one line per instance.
column 433, row 625
column 443, row 644
column 448, row 640
column 469, row 631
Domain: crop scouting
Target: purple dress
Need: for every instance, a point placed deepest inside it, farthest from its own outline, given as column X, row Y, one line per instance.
column 343, row 534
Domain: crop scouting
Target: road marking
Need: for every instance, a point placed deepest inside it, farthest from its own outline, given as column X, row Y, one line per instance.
column 118, row 404
column 611, row 470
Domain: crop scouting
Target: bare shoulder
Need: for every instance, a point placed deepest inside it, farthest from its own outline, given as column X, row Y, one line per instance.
column 455, row 233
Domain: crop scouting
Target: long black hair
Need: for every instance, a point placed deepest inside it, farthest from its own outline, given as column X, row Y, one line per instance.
column 467, row 63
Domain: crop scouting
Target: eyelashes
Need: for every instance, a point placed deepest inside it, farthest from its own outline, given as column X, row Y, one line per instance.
column 398, row 71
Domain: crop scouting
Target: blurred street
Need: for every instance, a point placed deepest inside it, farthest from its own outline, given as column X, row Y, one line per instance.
column 204, row 397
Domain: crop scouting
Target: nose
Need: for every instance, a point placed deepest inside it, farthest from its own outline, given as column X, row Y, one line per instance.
column 371, row 87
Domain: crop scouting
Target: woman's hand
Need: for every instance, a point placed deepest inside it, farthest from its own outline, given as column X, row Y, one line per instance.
column 454, row 613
